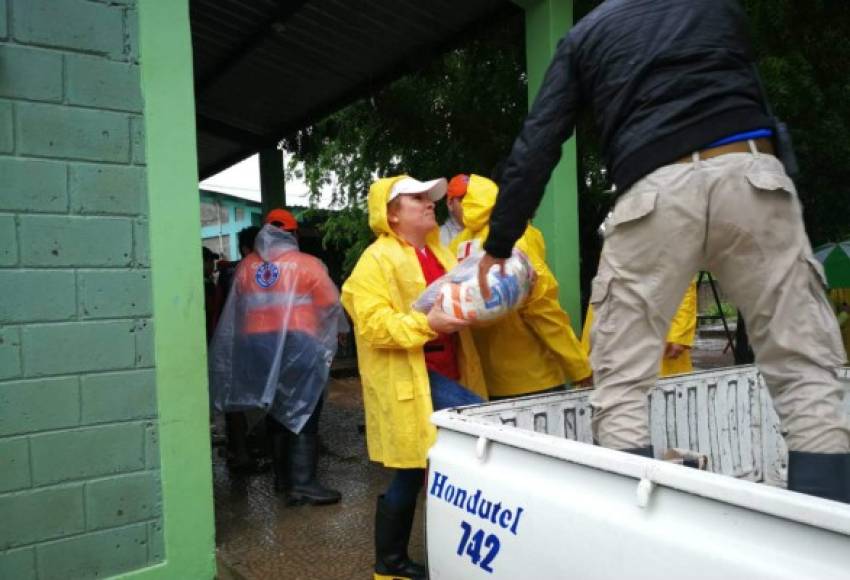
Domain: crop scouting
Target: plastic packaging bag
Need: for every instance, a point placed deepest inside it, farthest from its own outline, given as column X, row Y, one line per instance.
column 457, row 292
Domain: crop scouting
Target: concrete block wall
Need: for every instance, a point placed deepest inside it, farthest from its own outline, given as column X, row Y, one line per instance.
column 79, row 463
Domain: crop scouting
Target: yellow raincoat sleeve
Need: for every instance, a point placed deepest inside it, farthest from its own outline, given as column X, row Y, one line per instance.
column 543, row 314
column 684, row 326
column 366, row 297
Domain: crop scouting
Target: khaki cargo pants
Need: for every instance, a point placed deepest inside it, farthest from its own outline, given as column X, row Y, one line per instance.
column 737, row 216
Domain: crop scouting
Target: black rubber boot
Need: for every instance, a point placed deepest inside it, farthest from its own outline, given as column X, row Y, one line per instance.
column 240, row 461
column 303, row 451
column 642, row 451
column 279, row 445
column 392, row 534
column 825, row 475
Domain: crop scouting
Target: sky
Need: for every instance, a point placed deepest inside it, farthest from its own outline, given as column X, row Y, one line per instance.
column 243, row 180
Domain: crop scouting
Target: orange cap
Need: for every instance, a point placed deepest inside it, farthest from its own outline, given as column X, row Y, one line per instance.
column 286, row 220
column 458, row 185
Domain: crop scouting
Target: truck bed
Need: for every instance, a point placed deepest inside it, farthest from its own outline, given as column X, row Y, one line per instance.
column 725, row 414
column 515, row 491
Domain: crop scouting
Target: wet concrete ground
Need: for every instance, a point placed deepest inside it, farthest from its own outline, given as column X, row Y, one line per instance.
column 260, row 538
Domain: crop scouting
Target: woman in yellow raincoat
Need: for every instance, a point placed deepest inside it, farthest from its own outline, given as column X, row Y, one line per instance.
column 676, row 358
column 534, row 348
column 410, row 363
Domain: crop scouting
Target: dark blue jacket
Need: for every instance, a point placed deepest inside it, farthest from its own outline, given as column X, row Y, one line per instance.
column 663, row 77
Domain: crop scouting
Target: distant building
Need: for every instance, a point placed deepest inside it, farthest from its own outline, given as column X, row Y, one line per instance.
column 222, row 216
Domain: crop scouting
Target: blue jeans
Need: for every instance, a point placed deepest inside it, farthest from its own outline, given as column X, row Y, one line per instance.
column 445, row 393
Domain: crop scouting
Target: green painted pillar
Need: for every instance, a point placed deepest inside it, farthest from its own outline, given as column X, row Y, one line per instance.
column 272, row 180
column 546, row 22
column 178, row 295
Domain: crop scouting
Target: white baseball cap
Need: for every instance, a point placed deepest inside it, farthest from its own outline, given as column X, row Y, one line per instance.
column 436, row 188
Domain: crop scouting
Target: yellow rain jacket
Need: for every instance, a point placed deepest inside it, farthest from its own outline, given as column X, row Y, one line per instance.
column 683, row 330
column 390, row 337
column 533, row 348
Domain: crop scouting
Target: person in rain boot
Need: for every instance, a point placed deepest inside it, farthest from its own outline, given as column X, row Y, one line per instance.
column 701, row 169
column 240, row 459
column 273, row 349
column 533, row 349
column 410, row 363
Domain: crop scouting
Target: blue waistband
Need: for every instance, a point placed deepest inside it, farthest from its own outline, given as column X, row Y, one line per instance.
column 745, row 136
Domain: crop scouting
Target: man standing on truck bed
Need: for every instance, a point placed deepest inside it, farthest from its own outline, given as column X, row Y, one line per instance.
column 686, row 139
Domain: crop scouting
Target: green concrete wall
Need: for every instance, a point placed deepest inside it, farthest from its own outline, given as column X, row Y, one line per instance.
column 80, row 481
column 178, row 296
column 546, row 22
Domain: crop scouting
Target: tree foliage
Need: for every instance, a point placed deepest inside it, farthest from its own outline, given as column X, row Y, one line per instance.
column 462, row 112
column 459, row 114
column 802, row 50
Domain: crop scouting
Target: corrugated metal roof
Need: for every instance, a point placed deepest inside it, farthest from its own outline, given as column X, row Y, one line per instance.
column 265, row 68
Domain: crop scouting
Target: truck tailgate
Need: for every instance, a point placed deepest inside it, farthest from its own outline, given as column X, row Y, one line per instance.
column 511, row 496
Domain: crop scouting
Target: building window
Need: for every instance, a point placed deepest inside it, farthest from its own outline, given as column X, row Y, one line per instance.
column 213, row 214
column 220, row 245
column 209, row 214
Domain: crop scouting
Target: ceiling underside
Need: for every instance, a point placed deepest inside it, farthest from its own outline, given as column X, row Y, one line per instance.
column 266, row 68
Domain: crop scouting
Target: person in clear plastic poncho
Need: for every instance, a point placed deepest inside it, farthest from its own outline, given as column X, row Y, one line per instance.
column 273, row 348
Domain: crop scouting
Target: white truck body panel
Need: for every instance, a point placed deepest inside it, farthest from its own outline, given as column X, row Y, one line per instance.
column 564, row 509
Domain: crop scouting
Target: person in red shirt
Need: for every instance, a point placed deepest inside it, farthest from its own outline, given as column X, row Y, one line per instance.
column 273, row 348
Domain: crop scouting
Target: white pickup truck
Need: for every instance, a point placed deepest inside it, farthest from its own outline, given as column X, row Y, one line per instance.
column 515, row 491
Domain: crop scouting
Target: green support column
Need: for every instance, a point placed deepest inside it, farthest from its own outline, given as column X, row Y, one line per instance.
column 178, row 295
column 546, row 22
column 272, row 182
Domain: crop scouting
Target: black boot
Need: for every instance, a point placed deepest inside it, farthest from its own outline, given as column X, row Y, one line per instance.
column 822, row 474
column 279, row 445
column 239, row 459
column 392, row 534
column 642, row 451
column 303, row 451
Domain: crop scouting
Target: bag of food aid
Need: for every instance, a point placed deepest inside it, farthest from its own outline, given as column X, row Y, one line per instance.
column 458, row 293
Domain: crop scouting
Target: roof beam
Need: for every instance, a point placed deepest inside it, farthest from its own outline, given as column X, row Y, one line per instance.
column 409, row 63
column 252, row 40
column 363, row 89
column 231, row 132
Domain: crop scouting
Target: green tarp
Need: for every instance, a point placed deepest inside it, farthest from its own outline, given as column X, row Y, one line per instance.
column 836, row 262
